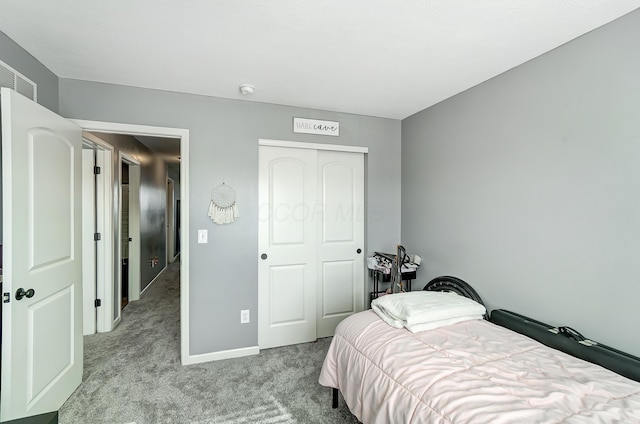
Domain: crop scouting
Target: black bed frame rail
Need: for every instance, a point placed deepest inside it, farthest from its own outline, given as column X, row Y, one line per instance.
column 570, row 341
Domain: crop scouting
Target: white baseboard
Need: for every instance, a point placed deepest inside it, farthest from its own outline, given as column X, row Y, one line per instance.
column 223, row 354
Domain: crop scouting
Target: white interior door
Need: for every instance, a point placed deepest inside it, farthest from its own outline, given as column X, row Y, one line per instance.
column 340, row 238
column 42, row 330
column 104, row 247
column 88, row 243
column 97, row 218
column 287, row 246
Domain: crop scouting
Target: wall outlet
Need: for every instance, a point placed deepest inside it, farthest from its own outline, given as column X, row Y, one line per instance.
column 244, row 316
column 203, row 236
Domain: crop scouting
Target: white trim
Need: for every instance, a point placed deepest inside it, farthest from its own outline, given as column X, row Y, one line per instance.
column 130, row 129
column 183, row 135
column 313, row 146
column 95, row 139
column 154, row 280
column 89, row 244
column 104, row 224
column 223, row 354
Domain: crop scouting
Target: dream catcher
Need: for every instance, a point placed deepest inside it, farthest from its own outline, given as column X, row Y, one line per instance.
column 223, row 208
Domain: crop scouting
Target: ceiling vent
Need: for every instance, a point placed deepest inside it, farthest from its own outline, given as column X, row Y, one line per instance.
column 13, row 79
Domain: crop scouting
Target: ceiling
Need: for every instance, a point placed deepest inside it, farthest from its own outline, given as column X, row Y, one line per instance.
column 385, row 58
column 166, row 148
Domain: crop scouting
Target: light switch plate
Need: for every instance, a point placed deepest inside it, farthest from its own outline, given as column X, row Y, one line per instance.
column 203, row 236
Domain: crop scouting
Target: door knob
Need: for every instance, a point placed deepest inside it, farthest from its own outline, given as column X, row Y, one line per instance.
column 359, row 251
column 263, row 256
column 20, row 293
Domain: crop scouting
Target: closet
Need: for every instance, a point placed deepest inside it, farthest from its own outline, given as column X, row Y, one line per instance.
column 311, row 240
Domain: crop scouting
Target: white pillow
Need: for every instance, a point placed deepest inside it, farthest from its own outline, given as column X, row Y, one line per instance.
column 421, row 307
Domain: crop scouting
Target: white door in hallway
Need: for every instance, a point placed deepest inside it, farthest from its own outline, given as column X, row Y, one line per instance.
column 42, row 293
column 287, row 246
column 340, row 238
column 311, row 242
column 89, row 245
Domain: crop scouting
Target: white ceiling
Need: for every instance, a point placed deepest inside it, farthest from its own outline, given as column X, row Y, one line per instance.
column 386, row 58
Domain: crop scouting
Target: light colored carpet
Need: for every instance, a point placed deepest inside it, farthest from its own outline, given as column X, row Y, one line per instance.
column 133, row 374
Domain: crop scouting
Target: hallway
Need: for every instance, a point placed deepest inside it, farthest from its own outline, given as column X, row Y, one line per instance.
column 124, row 369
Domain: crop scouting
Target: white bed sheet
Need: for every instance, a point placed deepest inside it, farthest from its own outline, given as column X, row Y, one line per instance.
column 469, row 372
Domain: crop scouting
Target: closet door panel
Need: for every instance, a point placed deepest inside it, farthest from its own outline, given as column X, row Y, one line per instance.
column 287, row 253
column 337, row 290
column 341, row 238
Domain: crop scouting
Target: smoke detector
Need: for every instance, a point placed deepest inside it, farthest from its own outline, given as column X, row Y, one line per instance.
column 247, row 89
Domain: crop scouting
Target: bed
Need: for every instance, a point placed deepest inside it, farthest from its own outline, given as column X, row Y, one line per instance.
column 475, row 371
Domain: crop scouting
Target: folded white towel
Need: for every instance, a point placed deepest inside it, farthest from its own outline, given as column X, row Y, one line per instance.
column 417, row 328
column 386, row 316
column 414, row 309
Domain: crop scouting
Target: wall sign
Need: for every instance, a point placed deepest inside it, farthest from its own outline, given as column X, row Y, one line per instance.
column 315, row 126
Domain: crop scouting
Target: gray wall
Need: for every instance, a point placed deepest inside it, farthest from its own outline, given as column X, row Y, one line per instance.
column 528, row 186
column 20, row 60
column 224, row 144
column 153, row 172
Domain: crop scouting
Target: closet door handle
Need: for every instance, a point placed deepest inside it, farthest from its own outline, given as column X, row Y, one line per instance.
column 263, row 256
column 359, row 251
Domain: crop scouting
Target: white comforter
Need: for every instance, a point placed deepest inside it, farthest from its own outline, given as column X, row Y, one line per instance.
column 469, row 372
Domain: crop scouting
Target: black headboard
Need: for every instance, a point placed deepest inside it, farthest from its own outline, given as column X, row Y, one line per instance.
column 452, row 284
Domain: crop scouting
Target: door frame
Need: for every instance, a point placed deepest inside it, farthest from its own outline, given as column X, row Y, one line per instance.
column 183, row 135
column 104, row 226
column 89, row 256
column 312, row 146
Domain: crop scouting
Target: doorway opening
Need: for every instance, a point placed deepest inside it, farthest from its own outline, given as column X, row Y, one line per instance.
column 181, row 220
column 128, row 287
column 124, row 236
column 171, row 223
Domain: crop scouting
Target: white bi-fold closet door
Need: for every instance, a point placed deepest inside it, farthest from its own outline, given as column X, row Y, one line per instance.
column 311, row 242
